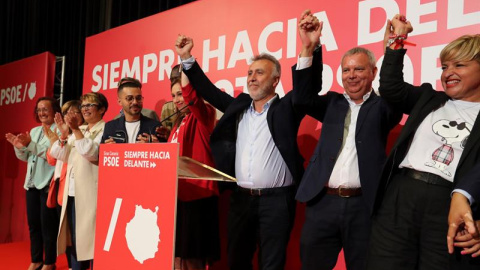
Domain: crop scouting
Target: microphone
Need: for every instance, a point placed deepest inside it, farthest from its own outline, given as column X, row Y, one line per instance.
column 179, row 111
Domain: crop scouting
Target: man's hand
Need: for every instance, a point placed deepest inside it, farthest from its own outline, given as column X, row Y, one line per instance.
column 310, row 30
column 470, row 244
column 146, row 138
column 163, row 133
column 183, row 46
column 109, row 140
column 460, row 218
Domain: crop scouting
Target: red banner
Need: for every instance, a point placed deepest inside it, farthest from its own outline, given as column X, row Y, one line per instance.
column 137, row 195
column 227, row 33
column 21, row 84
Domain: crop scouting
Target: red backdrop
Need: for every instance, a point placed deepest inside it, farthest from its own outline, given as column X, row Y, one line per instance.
column 21, row 84
column 227, row 33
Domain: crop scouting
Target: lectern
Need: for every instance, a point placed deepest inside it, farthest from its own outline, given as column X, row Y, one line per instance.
column 137, row 194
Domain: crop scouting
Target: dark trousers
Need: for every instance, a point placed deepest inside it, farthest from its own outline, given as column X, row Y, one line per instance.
column 333, row 222
column 410, row 229
column 266, row 221
column 76, row 264
column 42, row 225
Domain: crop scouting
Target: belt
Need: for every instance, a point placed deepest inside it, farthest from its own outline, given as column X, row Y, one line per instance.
column 265, row 191
column 426, row 177
column 344, row 192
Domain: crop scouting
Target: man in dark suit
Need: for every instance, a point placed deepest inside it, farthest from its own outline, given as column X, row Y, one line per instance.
column 255, row 141
column 132, row 126
column 437, row 154
column 341, row 180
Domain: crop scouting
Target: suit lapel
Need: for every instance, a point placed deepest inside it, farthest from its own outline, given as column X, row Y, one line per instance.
column 472, row 140
column 364, row 110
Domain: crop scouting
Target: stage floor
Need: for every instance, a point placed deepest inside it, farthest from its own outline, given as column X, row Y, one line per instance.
column 17, row 256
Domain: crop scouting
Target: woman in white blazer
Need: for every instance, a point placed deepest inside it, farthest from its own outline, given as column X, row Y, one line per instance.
column 80, row 151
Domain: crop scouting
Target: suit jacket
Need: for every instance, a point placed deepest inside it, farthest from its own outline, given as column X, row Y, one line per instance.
column 375, row 120
column 147, row 125
column 282, row 118
column 35, row 155
column 418, row 102
column 146, row 112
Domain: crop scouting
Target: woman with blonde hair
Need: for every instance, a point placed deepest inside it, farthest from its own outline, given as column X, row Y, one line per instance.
column 434, row 165
column 80, row 151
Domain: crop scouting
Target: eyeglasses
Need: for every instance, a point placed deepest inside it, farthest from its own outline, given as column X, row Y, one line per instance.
column 88, row 106
column 72, row 112
column 131, row 98
column 42, row 110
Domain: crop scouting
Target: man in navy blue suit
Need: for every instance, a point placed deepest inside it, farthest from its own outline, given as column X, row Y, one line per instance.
column 341, row 180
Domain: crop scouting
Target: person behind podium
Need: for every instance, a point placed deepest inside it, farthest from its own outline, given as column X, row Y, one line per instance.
column 80, row 151
column 132, row 126
column 197, row 241
column 31, row 147
column 255, row 141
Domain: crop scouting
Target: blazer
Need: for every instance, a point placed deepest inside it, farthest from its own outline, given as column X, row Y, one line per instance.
column 84, row 165
column 375, row 120
column 194, row 140
column 35, row 155
column 418, row 102
column 147, row 125
column 282, row 118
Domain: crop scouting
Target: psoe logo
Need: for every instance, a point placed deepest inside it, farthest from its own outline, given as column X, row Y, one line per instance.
column 17, row 94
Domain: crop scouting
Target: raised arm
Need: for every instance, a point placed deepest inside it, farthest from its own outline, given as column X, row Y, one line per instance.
column 307, row 74
column 197, row 77
column 403, row 96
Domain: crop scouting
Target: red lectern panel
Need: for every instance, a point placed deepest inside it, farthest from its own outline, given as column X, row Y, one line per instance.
column 137, row 189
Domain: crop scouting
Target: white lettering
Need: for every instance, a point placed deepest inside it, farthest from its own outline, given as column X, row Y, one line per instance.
column 262, row 41
column 390, row 8
column 415, row 10
column 242, row 41
column 149, row 65
column 114, row 74
column 456, row 18
column 210, row 54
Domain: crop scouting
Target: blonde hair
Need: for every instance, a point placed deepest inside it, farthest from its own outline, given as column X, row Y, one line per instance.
column 464, row 48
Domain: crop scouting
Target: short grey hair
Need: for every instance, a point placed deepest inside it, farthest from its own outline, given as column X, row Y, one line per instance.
column 265, row 56
column 368, row 53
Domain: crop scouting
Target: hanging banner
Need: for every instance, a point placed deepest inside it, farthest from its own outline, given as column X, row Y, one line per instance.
column 137, row 194
column 21, row 84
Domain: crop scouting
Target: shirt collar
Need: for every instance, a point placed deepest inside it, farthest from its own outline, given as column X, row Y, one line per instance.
column 265, row 106
column 365, row 97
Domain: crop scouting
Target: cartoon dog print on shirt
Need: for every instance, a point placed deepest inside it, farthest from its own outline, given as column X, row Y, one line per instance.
column 451, row 132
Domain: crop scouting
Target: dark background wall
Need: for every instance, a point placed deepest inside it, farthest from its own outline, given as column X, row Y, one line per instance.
column 30, row 27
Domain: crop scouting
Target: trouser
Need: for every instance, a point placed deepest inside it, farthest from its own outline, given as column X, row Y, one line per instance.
column 42, row 225
column 76, row 264
column 266, row 220
column 332, row 223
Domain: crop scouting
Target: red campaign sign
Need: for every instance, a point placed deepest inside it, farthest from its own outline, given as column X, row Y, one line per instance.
column 21, row 83
column 137, row 191
column 227, row 33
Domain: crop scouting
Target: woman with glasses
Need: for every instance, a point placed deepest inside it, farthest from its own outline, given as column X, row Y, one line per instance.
column 197, row 241
column 80, row 151
column 71, row 107
column 31, row 147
